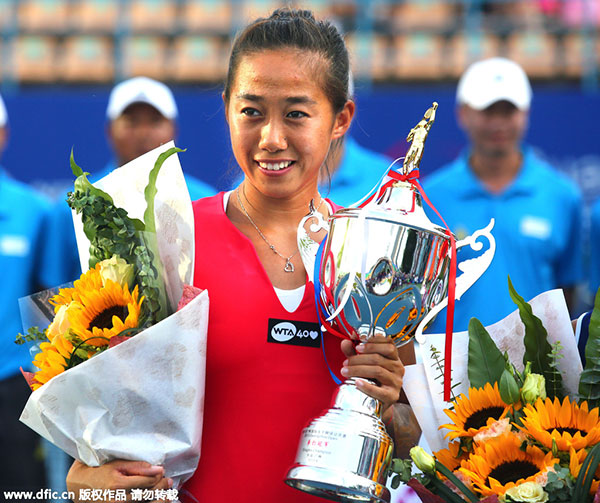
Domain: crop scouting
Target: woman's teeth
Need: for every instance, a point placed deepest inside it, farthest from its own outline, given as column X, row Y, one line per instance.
column 274, row 166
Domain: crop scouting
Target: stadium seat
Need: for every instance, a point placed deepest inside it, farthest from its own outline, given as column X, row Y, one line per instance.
column 198, row 59
column 152, row 15
column 7, row 14
column 87, row 58
column 144, row 55
column 251, row 9
column 465, row 48
column 34, row 58
column 43, row 16
column 206, row 16
column 369, row 56
column 434, row 15
column 535, row 51
column 417, row 56
column 95, row 16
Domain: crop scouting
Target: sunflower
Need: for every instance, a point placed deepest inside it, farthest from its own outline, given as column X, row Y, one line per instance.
column 105, row 312
column 499, row 464
column 89, row 281
column 452, row 456
column 53, row 359
column 576, row 459
column 475, row 413
column 568, row 424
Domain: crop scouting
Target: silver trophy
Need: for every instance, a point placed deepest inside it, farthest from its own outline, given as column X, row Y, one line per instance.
column 384, row 269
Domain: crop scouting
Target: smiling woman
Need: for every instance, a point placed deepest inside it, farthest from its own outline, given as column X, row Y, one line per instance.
column 287, row 106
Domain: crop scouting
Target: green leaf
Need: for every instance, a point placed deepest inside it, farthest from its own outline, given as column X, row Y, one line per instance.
column 589, row 381
column 486, row 362
column 150, row 191
column 508, row 387
column 537, row 348
column 586, row 474
column 33, row 334
column 77, row 171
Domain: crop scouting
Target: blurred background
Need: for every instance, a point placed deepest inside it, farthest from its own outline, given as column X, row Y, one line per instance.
column 60, row 58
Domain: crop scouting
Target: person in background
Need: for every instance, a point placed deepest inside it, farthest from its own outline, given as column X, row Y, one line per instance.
column 351, row 170
column 594, row 260
column 537, row 210
column 23, row 224
column 355, row 170
column 141, row 115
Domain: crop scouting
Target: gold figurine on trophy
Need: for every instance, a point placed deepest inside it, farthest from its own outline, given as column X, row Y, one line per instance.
column 418, row 135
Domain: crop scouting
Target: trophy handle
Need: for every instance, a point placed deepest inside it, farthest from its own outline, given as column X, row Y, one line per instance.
column 311, row 231
column 472, row 270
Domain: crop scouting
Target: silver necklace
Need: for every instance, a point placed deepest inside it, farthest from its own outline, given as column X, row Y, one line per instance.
column 289, row 267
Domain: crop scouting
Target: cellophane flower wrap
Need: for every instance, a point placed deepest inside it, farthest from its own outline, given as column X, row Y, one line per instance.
column 121, row 368
column 523, row 423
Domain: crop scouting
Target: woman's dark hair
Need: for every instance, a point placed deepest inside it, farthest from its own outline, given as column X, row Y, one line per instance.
column 294, row 28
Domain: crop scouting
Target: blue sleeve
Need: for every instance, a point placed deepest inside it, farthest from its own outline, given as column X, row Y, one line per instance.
column 594, row 267
column 61, row 258
column 569, row 264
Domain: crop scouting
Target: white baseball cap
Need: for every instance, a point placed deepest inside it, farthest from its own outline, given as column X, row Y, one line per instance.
column 491, row 80
column 141, row 90
column 3, row 114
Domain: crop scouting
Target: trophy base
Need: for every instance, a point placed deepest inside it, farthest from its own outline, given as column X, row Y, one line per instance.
column 336, row 486
column 345, row 453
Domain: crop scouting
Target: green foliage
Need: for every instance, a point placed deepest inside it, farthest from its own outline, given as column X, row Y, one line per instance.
column 537, row 347
column 112, row 232
column 486, row 362
column 33, row 334
column 401, row 470
column 586, row 474
column 510, row 391
column 589, row 380
column 436, row 356
column 560, row 485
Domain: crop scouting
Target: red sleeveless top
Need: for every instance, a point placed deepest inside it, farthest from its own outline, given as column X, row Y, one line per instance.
column 262, row 385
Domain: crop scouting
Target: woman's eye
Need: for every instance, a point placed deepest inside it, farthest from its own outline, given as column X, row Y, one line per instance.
column 297, row 114
column 250, row 112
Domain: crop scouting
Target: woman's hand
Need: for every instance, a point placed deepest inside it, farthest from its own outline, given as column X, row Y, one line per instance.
column 379, row 360
column 118, row 474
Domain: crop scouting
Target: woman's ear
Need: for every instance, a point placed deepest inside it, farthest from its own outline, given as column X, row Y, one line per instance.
column 226, row 104
column 343, row 120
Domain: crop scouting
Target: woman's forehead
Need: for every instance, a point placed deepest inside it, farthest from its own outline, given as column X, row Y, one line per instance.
column 272, row 66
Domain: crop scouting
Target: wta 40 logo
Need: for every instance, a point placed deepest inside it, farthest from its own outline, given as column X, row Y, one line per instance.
column 297, row 333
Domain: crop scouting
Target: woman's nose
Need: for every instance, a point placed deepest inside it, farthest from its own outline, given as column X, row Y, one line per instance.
column 272, row 137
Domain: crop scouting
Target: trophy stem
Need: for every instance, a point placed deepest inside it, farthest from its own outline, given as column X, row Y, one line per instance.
column 344, row 454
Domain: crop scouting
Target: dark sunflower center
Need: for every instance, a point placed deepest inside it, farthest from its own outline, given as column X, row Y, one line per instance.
column 572, row 431
column 479, row 418
column 104, row 319
column 511, row 471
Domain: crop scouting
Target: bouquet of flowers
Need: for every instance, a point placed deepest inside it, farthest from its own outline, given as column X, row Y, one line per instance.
column 121, row 363
column 527, row 429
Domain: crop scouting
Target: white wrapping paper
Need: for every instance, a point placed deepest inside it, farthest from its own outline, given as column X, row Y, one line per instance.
column 142, row 399
column 425, row 392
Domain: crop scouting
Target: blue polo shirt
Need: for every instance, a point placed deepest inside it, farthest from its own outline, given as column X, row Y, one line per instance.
column 594, row 264
column 537, row 232
column 23, row 224
column 360, row 169
column 64, row 249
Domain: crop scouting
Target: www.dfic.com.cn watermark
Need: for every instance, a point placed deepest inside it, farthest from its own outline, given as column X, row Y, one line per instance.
column 93, row 495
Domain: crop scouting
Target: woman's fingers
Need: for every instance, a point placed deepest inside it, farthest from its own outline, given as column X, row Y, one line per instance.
column 115, row 475
column 377, row 360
